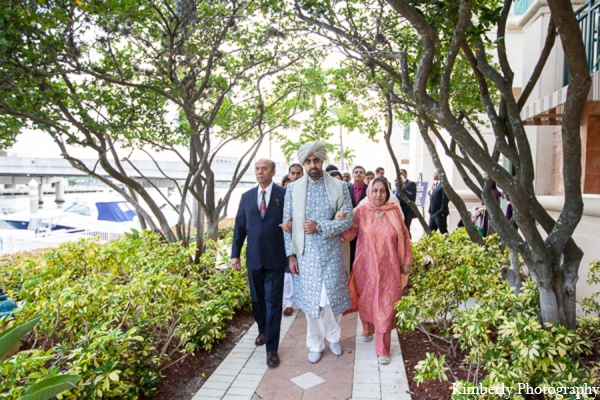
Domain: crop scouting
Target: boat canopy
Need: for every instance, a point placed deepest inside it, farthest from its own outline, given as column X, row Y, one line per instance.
column 118, row 211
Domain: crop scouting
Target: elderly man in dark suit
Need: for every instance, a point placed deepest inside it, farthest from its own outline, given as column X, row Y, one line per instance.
column 438, row 207
column 259, row 215
column 358, row 191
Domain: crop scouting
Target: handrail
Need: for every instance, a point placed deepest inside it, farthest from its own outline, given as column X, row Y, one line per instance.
column 588, row 16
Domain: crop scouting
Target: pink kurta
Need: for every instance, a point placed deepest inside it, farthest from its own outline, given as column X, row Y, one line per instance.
column 377, row 266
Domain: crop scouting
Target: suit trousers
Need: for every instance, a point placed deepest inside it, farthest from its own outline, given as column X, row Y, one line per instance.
column 439, row 222
column 266, row 291
column 408, row 220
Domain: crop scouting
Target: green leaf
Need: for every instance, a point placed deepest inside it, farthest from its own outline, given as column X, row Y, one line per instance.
column 11, row 336
column 50, row 387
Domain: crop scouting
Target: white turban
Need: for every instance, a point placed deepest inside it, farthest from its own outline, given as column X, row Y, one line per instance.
column 317, row 148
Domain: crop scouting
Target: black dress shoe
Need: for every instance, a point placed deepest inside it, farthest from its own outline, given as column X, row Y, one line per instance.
column 272, row 359
column 260, row 340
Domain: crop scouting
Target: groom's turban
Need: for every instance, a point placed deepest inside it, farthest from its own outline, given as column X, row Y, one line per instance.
column 315, row 148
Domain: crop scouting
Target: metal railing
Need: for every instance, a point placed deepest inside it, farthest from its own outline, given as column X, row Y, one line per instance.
column 588, row 16
column 10, row 244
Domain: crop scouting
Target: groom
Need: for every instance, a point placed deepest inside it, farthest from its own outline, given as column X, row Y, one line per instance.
column 320, row 209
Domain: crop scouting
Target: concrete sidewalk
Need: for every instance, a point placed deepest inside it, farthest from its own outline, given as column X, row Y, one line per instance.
column 355, row 374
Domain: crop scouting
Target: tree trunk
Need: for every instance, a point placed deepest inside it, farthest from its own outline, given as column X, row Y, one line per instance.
column 541, row 272
column 566, row 278
column 212, row 227
column 342, row 149
column 199, row 222
column 141, row 219
column 516, row 269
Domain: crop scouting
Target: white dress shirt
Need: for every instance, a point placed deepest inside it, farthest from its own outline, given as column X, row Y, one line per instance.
column 268, row 191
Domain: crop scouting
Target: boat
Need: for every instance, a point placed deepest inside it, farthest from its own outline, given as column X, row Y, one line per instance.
column 78, row 215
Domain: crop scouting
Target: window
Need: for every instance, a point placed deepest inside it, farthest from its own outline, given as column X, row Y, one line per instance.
column 79, row 209
column 406, row 132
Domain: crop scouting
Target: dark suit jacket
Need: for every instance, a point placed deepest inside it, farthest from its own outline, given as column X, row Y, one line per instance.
column 405, row 208
column 266, row 248
column 362, row 195
column 438, row 204
column 410, row 187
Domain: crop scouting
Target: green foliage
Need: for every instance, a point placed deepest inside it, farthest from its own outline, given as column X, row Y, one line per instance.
column 499, row 333
column 46, row 388
column 117, row 314
column 447, row 273
column 50, row 387
column 12, row 336
column 431, row 367
column 590, row 304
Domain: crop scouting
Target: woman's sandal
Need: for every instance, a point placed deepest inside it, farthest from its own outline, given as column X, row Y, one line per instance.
column 367, row 338
column 384, row 359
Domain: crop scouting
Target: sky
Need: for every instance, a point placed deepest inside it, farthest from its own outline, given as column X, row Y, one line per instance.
column 369, row 154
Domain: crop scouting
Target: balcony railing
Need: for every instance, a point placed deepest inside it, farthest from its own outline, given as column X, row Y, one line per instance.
column 588, row 16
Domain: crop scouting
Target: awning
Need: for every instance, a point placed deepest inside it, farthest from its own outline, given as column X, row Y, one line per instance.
column 549, row 110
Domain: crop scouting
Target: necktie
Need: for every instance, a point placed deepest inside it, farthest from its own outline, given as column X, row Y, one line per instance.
column 263, row 204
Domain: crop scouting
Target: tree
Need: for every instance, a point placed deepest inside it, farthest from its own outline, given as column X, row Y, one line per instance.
column 121, row 75
column 420, row 48
column 341, row 118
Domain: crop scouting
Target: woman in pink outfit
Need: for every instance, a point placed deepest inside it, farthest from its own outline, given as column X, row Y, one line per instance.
column 383, row 261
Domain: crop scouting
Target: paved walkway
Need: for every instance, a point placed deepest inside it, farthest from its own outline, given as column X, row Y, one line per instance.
column 355, row 374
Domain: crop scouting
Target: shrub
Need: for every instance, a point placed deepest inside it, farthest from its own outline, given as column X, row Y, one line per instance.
column 118, row 313
column 499, row 333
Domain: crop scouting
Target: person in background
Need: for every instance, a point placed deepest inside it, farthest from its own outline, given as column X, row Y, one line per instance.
column 410, row 187
column 346, row 177
column 369, row 177
column 320, row 209
column 383, row 261
column 403, row 206
column 330, row 168
column 438, row 206
column 379, row 171
column 358, row 192
column 258, row 218
column 346, row 248
column 337, row 175
column 285, row 180
column 295, row 172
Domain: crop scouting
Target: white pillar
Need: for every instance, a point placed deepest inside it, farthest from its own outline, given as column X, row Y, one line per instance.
column 33, row 196
column 41, row 194
column 60, row 191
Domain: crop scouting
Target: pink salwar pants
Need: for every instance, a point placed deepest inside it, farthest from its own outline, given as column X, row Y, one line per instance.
column 383, row 341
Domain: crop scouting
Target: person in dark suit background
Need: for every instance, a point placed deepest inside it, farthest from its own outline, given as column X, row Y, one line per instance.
column 403, row 206
column 358, row 191
column 438, row 207
column 258, row 218
column 295, row 172
column 410, row 187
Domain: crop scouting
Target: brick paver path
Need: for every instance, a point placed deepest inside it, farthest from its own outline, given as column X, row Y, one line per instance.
column 332, row 377
column 355, row 375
